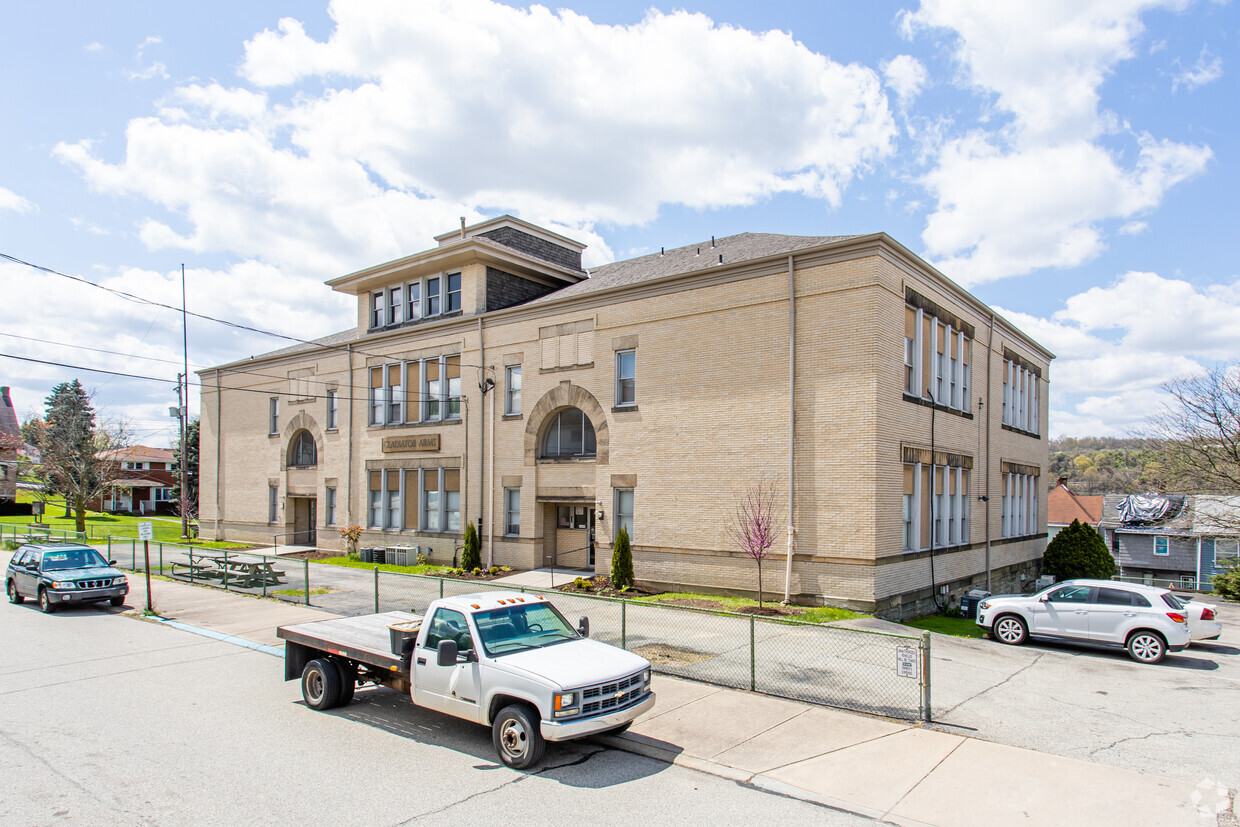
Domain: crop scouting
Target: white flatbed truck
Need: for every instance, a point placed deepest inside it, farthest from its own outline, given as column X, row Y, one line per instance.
column 501, row 659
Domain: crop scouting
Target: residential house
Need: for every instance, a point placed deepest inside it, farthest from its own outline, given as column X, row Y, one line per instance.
column 492, row 379
column 143, row 484
column 1063, row 506
column 1181, row 539
column 10, row 443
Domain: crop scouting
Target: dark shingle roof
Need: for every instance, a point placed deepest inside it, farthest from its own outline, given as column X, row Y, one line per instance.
column 331, row 340
column 689, row 259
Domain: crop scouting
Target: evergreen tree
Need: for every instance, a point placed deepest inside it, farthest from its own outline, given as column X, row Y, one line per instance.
column 471, row 554
column 622, row 561
column 78, row 458
column 191, row 470
column 1078, row 551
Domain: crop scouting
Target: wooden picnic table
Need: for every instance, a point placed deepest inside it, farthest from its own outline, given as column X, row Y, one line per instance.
column 232, row 571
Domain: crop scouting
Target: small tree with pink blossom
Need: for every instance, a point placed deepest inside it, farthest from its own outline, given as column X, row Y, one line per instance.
column 752, row 526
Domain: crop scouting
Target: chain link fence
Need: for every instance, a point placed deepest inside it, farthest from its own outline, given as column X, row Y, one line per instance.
column 249, row 572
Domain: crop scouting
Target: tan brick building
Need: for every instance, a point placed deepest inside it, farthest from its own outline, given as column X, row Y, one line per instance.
column 652, row 393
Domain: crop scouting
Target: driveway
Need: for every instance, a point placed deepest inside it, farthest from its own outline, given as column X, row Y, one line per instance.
column 1179, row 718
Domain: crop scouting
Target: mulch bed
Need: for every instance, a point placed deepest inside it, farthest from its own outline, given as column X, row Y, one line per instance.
column 312, row 555
column 602, row 587
column 469, row 575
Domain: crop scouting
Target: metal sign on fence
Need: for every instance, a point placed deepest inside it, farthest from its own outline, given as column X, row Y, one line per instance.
column 906, row 661
column 146, row 531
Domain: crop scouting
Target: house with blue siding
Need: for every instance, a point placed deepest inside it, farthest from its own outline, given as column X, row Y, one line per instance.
column 1178, row 539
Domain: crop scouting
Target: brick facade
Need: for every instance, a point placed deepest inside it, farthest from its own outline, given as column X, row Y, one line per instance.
column 712, row 417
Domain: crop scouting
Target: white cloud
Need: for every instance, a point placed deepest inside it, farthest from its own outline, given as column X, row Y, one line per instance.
column 906, row 76
column 93, row 46
column 1034, row 188
column 1207, row 68
column 10, row 200
column 85, row 224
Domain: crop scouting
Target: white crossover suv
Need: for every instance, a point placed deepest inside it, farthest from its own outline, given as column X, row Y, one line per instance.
column 1147, row 621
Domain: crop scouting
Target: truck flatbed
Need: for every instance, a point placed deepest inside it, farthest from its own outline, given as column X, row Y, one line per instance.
column 362, row 639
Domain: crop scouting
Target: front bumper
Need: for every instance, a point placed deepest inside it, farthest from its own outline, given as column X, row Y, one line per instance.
column 566, row 730
column 87, row 595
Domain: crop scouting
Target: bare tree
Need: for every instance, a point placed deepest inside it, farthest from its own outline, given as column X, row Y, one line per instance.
column 79, row 458
column 1198, row 438
column 752, row 526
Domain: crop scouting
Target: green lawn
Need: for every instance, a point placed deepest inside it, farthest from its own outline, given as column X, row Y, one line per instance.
column 954, row 626
column 99, row 525
column 812, row 614
column 358, row 564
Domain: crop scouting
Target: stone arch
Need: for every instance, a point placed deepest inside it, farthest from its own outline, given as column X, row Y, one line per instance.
column 566, row 395
column 302, row 422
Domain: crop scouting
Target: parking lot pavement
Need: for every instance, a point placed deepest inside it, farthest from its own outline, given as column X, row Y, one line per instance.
column 1177, row 719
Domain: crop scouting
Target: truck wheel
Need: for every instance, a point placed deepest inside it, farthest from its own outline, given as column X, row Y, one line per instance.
column 517, row 737
column 45, row 602
column 348, row 680
column 14, row 595
column 618, row 730
column 320, row 684
column 117, row 601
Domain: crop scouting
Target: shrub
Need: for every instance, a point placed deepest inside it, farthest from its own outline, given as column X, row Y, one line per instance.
column 493, row 570
column 583, row 584
column 422, row 559
column 622, row 561
column 1227, row 584
column 1078, row 551
column 471, row 555
column 10, row 545
column 476, row 571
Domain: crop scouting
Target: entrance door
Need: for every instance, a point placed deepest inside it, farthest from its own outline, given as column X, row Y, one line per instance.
column 312, row 536
column 590, row 537
column 304, row 518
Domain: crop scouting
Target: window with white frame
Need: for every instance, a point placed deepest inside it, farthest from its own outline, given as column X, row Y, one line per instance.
column 418, row 391
column 626, row 378
column 935, row 502
column 329, row 502
column 413, row 292
column 395, row 306
column 378, row 309
column 332, row 409
column 452, row 299
column 1161, row 546
column 374, row 500
column 512, row 390
column 1020, row 505
column 391, row 500
column 1020, row 396
column 273, row 415
column 623, row 510
column 434, row 495
column 512, row 511
column 273, row 503
column 431, row 299
column 393, row 393
column 937, row 359
column 162, row 495
column 1226, row 552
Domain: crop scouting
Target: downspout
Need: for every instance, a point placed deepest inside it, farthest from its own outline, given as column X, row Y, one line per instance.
column 219, row 433
column 490, row 502
column 990, row 349
column 348, row 491
column 792, row 420
column 482, row 421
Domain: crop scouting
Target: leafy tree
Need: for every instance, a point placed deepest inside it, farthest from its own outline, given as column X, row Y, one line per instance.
column 622, row 561
column 1078, row 551
column 1227, row 584
column 191, row 470
column 33, row 429
column 78, row 457
column 471, row 553
column 752, row 527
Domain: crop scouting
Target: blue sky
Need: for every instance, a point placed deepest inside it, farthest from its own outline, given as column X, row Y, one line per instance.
column 1074, row 164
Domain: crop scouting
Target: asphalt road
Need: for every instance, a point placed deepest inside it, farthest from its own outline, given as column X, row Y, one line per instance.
column 1178, row 718
column 108, row 720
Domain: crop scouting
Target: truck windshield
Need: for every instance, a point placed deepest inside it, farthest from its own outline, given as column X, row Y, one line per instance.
column 73, row 558
column 521, row 627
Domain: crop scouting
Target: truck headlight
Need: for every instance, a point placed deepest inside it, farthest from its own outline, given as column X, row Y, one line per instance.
column 646, row 676
column 565, row 704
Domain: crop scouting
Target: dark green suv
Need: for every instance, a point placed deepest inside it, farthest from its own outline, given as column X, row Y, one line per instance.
column 61, row 574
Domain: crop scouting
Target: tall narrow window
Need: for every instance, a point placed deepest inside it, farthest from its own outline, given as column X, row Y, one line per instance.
column 414, row 292
column 626, row 377
column 303, row 452
column 909, row 507
column 332, row 407
column 396, row 306
column 432, row 297
column 273, row 504
column 911, row 350
column 392, row 483
column 375, row 500
column 273, row 415
column 453, row 299
column 1160, row 545
column 329, row 502
column 512, row 511
column 452, row 499
column 512, row 390
column 431, row 389
column 377, row 303
column 376, row 396
column 430, row 499
column 624, row 511
column 393, row 393
column 452, row 371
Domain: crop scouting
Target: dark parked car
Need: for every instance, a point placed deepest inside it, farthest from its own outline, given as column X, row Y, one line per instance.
column 60, row 574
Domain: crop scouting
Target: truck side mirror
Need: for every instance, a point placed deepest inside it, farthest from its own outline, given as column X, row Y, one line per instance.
column 446, row 654
column 583, row 627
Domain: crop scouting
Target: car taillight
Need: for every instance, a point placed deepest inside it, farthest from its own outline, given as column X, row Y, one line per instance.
column 1177, row 617
column 1207, row 614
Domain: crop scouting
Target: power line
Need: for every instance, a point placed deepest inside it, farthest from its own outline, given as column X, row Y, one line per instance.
column 94, row 349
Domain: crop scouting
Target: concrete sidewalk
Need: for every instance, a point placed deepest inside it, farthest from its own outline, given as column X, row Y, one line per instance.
column 891, row 771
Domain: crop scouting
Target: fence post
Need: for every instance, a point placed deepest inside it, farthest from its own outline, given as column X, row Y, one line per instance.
column 305, row 569
column 925, row 677
column 753, row 657
column 376, row 590
column 133, row 555
column 161, row 558
column 441, row 588
column 109, row 546
column 225, row 569
column 624, row 604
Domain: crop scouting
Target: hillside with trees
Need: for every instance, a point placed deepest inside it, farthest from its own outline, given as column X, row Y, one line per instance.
column 1107, row 465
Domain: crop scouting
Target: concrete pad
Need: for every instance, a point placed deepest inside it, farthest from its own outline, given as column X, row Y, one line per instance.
column 1038, row 789
column 542, row 578
column 814, row 732
column 673, row 693
column 877, row 774
column 717, row 722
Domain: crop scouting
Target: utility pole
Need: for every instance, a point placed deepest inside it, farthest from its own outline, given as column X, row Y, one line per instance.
column 182, row 462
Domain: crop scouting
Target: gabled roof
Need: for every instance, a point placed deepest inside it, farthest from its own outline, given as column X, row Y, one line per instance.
column 10, row 428
column 142, row 453
column 1062, row 507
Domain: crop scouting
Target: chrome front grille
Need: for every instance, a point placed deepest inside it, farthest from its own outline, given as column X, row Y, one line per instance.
column 94, row 584
column 614, row 695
